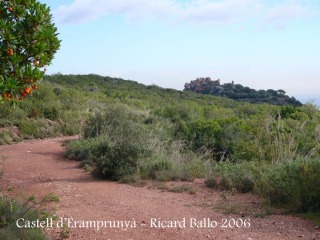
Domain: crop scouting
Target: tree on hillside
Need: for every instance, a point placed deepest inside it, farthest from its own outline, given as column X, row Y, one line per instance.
column 28, row 42
column 281, row 92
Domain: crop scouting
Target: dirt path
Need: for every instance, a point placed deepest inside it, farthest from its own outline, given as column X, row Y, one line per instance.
column 38, row 167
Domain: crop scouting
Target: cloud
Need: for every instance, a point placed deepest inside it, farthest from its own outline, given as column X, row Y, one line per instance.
column 218, row 11
column 197, row 11
column 288, row 11
column 85, row 10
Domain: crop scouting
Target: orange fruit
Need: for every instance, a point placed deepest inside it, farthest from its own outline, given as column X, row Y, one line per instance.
column 27, row 90
column 10, row 52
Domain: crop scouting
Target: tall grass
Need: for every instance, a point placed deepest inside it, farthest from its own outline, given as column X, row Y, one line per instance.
column 31, row 210
column 291, row 176
column 291, row 184
column 10, row 212
column 288, row 145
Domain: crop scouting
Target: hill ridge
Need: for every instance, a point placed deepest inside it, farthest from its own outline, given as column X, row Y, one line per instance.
column 205, row 85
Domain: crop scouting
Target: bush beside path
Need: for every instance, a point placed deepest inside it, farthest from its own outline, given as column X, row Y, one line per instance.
column 38, row 167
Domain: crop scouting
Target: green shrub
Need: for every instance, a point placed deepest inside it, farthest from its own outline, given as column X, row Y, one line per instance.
column 235, row 175
column 119, row 143
column 71, row 122
column 115, row 119
column 51, row 112
column 158, row 169
column 115, row 161
column 211, row 182
column 198, row 168
column 247, row 184
column 6, row 137
column 294, row 184
column 10, row 212
column 291, row 184
column 30, row 128
column 164, row 175
column 182, row 188
column 202, row 134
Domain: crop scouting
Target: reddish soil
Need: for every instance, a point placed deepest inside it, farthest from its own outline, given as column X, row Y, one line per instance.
column 38, row 167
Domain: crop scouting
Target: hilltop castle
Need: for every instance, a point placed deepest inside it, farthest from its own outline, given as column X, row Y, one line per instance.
column 205, row 84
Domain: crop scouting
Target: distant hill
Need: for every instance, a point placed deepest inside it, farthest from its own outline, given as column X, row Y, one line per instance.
column 240, row 93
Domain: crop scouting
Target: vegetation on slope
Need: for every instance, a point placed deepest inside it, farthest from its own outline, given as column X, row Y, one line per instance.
column 130, row 132
column 240, row 93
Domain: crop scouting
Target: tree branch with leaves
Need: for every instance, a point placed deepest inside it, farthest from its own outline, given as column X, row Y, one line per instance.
column 28, row 43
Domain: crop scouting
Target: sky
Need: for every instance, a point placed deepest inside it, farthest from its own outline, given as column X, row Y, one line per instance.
column 263, row 44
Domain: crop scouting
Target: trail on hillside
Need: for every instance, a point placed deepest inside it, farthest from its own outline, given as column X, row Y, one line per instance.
column 96, row 209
